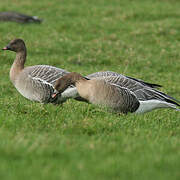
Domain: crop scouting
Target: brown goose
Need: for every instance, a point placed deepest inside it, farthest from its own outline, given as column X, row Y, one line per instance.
column 111, row 77
column 18, row 17
column 124, row 98
column 33, row 82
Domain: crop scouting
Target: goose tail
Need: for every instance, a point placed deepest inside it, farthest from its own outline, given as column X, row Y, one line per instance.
column 149, row 105
column 36, row 19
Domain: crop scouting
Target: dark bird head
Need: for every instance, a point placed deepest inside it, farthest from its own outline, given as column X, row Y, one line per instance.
column 67, row 80
column 15, row 45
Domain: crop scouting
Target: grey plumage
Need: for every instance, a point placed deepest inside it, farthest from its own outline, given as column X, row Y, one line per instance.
column 120, row 77
column 119, row 99
column 38, row 82
column 144, row 91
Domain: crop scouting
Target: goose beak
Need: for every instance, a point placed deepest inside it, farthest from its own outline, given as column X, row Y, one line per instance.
column 55, row 93
column 6, row 48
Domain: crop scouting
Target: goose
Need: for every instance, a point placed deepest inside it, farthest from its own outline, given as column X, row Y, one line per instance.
column 108, row 76
column 128, row 95
column 18, row 17
column 34, row 82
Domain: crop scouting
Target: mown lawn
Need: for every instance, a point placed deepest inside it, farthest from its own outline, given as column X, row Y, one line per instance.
column 79, row 141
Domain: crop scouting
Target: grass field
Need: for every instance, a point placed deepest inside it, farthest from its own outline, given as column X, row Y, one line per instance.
column 78, row 141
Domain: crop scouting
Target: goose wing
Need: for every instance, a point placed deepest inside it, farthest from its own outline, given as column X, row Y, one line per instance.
column 40, row 82
column 142, row 92
column 47, row 74
column 128, row 102
column 120, row 78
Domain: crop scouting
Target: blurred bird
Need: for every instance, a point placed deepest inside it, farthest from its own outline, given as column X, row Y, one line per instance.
column 18, row 17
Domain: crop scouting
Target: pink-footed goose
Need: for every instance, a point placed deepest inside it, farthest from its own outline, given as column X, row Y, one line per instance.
column 120, row 93
column 33, row 82
column 108, row 76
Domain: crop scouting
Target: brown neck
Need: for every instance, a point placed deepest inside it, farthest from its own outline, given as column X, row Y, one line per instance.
column 18, row 65
column 67, row 80
column 76, row 78
column 20, row 59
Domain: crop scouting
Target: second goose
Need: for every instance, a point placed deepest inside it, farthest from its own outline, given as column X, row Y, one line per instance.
column 120, row 98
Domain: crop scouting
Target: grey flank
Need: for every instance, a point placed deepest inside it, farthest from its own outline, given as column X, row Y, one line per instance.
column 40, row 80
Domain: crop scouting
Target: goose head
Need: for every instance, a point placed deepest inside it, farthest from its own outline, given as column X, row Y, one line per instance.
column 16, row 45
column 67, row 80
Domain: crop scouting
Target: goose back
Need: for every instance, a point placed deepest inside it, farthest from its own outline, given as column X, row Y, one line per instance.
column 120, row 78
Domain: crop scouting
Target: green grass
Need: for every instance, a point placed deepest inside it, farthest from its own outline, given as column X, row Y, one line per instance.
column 81, row 141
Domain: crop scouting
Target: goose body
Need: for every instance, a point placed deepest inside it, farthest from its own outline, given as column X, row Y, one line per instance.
column 18, row 17
column 34, row 82
column 111, row 77
column 100, row 92
column 121, row 93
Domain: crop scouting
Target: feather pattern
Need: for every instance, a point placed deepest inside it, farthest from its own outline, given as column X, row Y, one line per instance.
column 38, row 82
column 126, row 100
column 104, row 74
column 143, row 91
